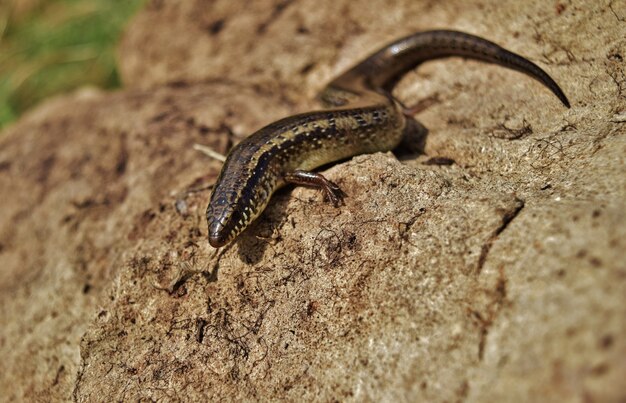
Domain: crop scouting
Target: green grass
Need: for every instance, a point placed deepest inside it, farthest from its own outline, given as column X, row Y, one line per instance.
column 58, row 46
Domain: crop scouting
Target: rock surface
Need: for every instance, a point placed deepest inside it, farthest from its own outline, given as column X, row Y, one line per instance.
column 500, row 277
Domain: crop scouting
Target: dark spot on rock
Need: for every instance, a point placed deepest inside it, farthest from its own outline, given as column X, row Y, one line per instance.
column 147, row 216
column 82, row 204
column 351, row 241
column 5, row 165
column 606, row 342
column 200, row 325
column 307, row 68
column 600, row 369
column 439, row 161
column 312, row 308
column 58, row 375
column 501, row 289
column 278, row 10
column 581, row 254
column 596, row 213
column 302, row 30
column 559, row 8
column 45, row 168
column 595, row 262
column 216, row 26
column 179, row 291
column 122, row 162
column 176, row 84
column 66, row 219
column 171, row 236
column 560, row 273
column 86, row 288
column 194, row 233
column 159, row 117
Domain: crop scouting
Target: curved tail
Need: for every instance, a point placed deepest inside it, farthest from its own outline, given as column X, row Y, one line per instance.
column 383, row 69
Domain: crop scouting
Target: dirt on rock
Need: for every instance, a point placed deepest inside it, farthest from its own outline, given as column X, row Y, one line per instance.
column 498, row 275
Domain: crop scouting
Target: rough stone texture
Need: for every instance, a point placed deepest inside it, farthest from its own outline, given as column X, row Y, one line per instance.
column 501, row 277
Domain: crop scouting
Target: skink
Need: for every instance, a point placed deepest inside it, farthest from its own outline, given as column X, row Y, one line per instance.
column 362, row 117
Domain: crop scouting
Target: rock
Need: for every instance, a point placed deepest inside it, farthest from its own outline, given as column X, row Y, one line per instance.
column 498, row 277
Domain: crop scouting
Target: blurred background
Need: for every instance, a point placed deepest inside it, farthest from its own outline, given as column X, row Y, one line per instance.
column 49, row 47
